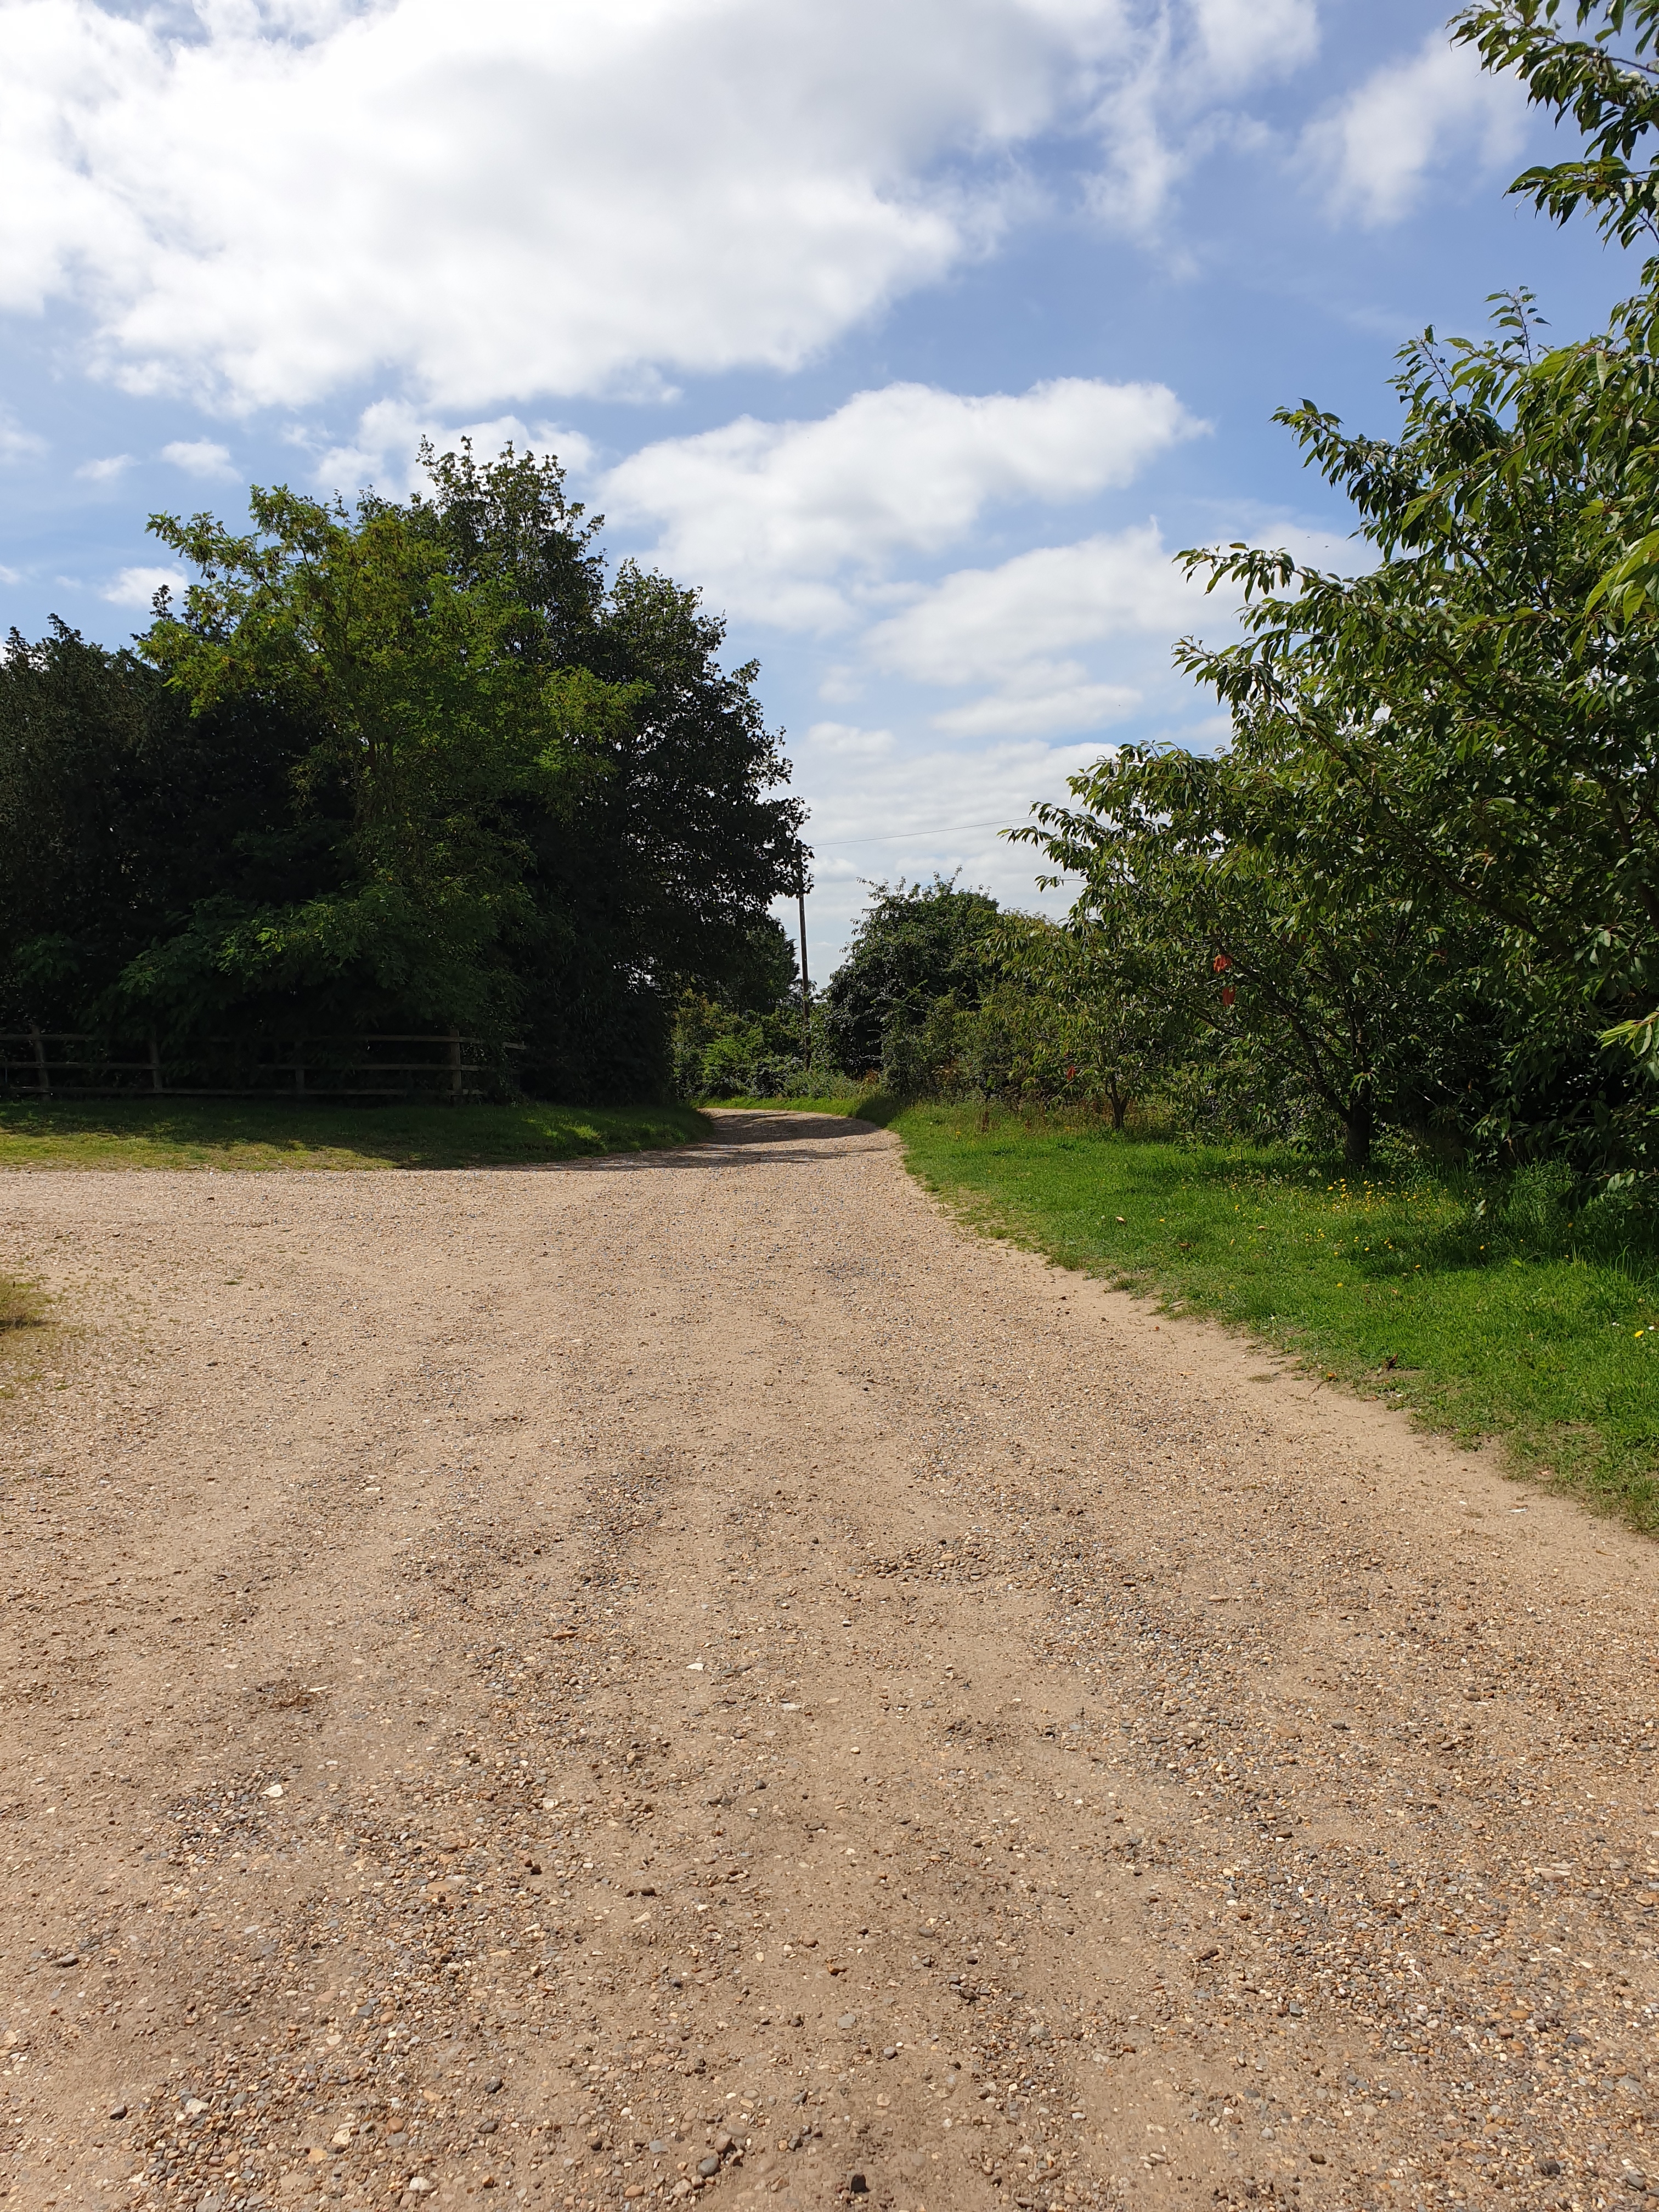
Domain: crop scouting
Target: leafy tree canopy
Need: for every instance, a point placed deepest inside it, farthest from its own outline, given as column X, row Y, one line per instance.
column 914, row 943
column 436, row 770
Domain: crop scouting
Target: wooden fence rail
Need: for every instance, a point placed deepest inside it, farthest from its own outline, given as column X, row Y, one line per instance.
column 54, row 1064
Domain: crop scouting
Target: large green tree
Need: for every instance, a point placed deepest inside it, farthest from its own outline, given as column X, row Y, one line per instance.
column 435, row 769
column 913, row 944
column 123, row 819
column 1071, row 1016
column 1476, row 700
column 431, row 733
column 661, row 876
column 1232, row 893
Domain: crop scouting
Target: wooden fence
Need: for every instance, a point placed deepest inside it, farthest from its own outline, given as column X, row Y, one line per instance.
column 47, row 1064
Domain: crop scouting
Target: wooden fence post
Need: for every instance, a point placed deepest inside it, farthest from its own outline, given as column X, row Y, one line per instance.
column 155, row 1083
column 42, row 1075
column 454, row 1067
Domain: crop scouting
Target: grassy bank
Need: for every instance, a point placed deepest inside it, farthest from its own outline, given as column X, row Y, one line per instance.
column 232, row 1134
column 1488, row 1311
column 859, row 1102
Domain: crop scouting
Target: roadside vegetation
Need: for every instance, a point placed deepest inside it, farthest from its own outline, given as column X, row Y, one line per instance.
column 21, row 1306
column 225, row 1134
column 1486, row 1305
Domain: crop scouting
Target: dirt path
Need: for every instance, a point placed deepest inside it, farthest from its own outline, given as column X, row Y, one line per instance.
column 685, row 1675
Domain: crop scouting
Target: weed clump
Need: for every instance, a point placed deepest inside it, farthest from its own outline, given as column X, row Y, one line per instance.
column 20, row 1305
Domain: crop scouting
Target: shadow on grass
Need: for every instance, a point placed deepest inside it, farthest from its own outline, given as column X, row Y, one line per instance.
column 258, row 1134
column 875, row 1107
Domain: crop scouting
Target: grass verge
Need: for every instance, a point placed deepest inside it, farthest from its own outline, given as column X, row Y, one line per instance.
column 1430, row 1290
column 233, row 1134
column 863, row 1105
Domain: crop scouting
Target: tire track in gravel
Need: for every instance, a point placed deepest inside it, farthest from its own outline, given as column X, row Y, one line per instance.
column 687, row 1677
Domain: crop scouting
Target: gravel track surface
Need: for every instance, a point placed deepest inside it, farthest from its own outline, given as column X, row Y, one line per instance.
column 687, row 1677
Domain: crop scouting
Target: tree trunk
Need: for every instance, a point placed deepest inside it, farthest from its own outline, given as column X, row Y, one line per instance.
column 1120, row 1106
column 1359, row 1127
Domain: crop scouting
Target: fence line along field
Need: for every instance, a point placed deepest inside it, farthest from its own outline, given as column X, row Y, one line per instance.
column 683, row 1676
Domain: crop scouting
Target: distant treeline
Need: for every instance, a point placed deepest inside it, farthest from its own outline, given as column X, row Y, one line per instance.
column 423, row 767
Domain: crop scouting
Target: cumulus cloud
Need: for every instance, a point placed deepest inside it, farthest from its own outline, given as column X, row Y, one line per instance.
column 136, row 587
column 983, row 625
column 479, row 205
column 1024, row 630
column 920, row 794
column 1435, row 109
column 504, row 199
column 1017, row 629
column 926, row 807
column 105, row 470
column 200, row 457
column 770, row 516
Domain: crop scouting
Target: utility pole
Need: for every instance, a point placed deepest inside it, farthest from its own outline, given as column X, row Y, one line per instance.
column 805, row 985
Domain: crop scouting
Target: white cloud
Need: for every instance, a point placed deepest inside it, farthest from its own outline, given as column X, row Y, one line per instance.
column 105, row 470
column 1173, row 97
column 848, row 741
column 201, row 457
column 1016, row 628
column 17, row 444
column 1044, row 704
column 930, row 806
column 136, row 587
column 770, row 516
column 994, row 625
column 1244, row 40
column 1411, row 117
column 507, row 198
column 478, row 205
column 927, row 807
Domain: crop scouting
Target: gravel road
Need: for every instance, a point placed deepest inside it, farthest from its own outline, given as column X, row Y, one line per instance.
column 687, row 1677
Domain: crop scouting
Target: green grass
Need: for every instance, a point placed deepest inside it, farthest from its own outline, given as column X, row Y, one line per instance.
column 861, row 1104
column 253, row 1134
column 1541, row 1333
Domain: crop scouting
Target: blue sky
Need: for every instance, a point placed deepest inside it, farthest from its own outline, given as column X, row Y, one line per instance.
column 918, row 333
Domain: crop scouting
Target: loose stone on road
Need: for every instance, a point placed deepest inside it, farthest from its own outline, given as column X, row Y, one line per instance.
column 687, row 1677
